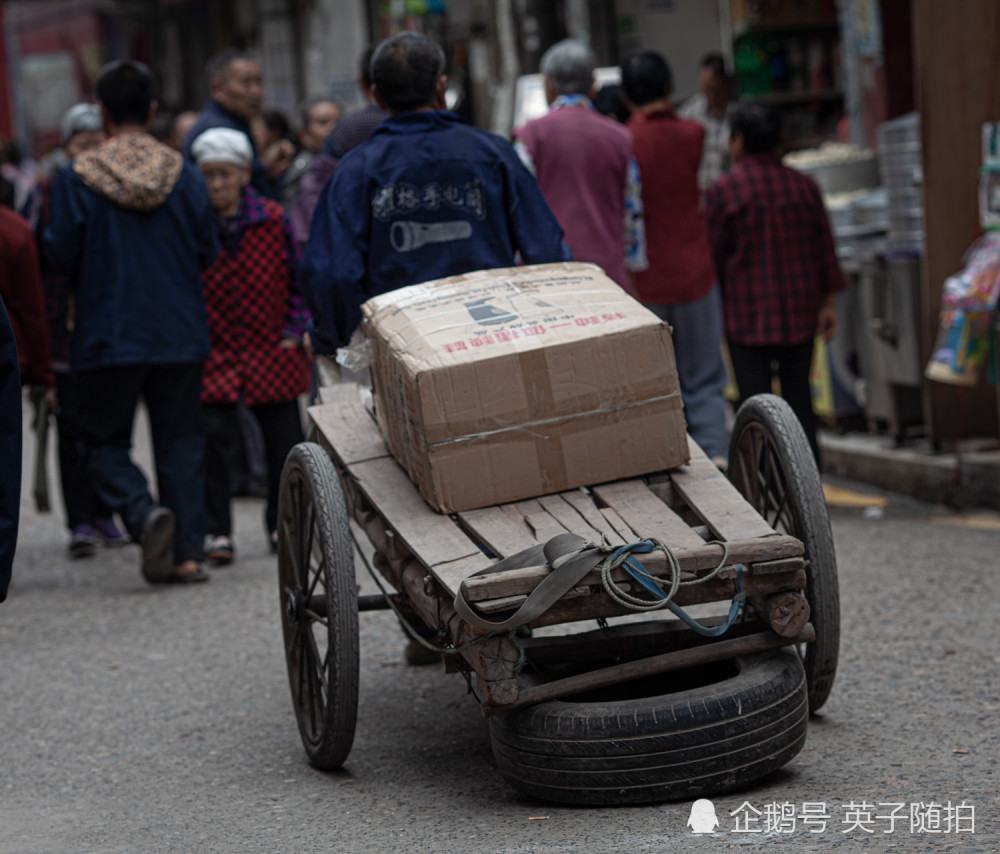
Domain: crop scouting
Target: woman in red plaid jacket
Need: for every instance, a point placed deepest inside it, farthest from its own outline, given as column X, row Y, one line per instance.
column 257, row 321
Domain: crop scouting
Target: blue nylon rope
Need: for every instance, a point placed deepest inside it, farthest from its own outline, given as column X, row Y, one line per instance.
column 636, row 571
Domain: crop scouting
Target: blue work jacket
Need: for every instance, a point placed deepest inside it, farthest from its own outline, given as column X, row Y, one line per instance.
column 136, row 276
column 426, row 197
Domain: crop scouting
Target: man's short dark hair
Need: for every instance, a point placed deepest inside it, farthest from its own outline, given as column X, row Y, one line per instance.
column 306, row 107
column 715, row 62
column 125, row 88
column 758, row 124
column 646, row 77
column 609, row 102
column 365, row 65
column 277, row 122
column 405, row 71
column 218, row 65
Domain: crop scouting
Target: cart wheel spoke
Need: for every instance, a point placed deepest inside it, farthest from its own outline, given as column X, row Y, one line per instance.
column 310, row 530
column 744, row 475
column 285, row 532
column 318, row 619
column 318, row 574
column 760, row 475
column 300, row 522
column 310, row 701
column 775, row 493
column 319, row 664
column 302, row 668
column 780, row 511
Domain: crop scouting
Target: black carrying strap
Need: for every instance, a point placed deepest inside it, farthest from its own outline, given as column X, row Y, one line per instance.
column 569, row 557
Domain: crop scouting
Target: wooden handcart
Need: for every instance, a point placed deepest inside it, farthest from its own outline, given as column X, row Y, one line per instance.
column 634, row 710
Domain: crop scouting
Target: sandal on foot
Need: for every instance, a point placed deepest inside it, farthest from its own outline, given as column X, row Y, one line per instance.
column 196, row 577
column 219, row 550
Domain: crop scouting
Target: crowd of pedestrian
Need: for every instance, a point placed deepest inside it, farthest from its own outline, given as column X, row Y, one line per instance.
column 198, row 269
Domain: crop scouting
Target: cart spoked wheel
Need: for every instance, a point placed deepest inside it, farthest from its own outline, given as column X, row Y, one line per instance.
column 319, row 604
column 771, row 464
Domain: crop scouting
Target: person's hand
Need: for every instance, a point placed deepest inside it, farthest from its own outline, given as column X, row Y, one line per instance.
column 288, row 343
column 52, row 399
column 278, row 158
column 307, row 345
column 827, row 323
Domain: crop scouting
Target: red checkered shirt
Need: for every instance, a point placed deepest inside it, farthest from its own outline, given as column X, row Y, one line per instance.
column 773, row 251
column 253, row 303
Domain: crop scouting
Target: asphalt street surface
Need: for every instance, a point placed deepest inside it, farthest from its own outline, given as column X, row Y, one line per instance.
column 140, row 719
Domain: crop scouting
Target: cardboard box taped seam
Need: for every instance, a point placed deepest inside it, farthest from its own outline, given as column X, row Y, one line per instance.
column 501, row 385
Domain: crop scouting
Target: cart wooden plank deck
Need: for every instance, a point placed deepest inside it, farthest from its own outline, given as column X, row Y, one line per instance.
column 756, row 537
column 449, row 549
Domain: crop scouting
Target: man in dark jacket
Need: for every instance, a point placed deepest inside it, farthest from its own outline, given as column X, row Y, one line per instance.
column 237, row 93
column 425, row 197
column 21, row 289
column 10, row 450
column 132, row 225
column 89, row 521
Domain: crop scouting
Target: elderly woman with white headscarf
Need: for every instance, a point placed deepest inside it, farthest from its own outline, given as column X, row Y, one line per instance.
column 257, row 321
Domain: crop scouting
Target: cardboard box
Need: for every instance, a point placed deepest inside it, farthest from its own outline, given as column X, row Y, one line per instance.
column 501, row 385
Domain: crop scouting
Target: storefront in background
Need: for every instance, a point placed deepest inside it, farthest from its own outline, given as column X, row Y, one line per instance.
column 54, row 51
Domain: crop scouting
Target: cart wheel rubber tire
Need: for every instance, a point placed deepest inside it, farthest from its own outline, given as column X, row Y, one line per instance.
column 672, row 746
column 319, row 605
column 772, row 465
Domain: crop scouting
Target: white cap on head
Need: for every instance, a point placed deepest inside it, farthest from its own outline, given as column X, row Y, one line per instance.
column 80, row 118
column 222, row 145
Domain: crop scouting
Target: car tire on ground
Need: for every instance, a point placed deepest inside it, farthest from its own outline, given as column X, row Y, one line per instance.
column 721, row 727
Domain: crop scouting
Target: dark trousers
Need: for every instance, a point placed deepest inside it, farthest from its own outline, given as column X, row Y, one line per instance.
column 82, row 502
column 108, row 398
column 249, row 473
column 281, row 428
column 754, row 368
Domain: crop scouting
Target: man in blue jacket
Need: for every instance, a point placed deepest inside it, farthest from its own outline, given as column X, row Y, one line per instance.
column 427, row 196
column 237, row 92
column 132, row 225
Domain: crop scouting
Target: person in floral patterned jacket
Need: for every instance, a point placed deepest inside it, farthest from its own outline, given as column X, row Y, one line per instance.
column 257, row 321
